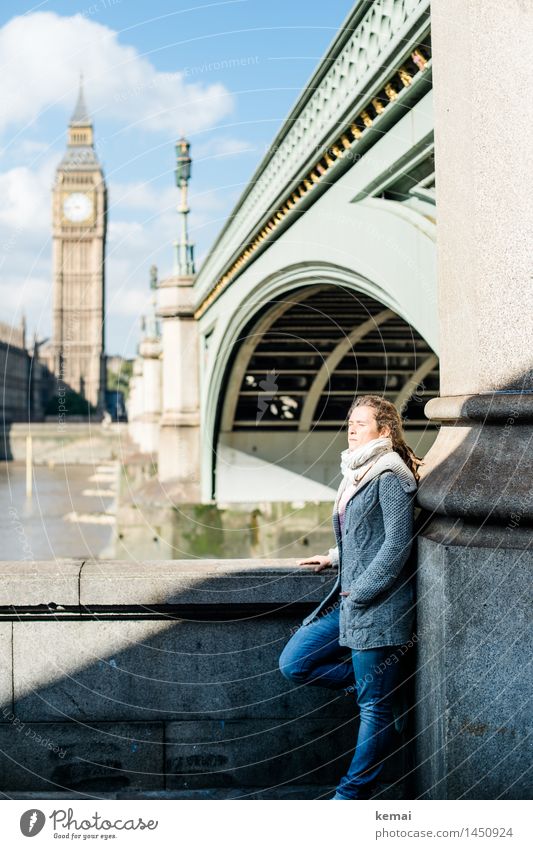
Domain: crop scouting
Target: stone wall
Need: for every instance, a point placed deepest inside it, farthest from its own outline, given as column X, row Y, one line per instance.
column 15, row 369
column 162, row 677
column 72, row 442
column 473, row 691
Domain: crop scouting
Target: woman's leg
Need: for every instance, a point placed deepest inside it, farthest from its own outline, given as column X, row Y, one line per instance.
column 377, row 686
column 313, row 655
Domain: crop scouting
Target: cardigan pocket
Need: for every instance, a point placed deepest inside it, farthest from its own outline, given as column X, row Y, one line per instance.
column 359, row 616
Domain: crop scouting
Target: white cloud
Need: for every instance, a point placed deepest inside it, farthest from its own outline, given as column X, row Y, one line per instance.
column 41, row 54
column 25, row 197
column 27, row 294
column 25, row 242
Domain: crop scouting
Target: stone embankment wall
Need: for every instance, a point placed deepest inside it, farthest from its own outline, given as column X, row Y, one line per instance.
column 70, row 443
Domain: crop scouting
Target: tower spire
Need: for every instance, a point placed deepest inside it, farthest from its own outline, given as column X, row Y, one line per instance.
column 80, row 116
column 80, row 153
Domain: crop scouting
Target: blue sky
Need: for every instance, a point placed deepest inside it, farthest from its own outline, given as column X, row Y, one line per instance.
column 226, row 74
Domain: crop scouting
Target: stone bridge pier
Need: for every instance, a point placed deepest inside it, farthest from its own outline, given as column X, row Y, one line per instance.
column 475, row 563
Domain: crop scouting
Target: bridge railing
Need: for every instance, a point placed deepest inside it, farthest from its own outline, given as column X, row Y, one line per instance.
column 370, row 70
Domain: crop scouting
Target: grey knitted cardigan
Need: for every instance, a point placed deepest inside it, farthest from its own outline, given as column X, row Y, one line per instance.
column 371, row 559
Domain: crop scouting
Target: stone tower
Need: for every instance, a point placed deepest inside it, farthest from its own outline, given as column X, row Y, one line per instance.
column 79, row 213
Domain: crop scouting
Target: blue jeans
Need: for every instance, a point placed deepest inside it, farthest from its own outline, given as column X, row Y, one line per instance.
column 313, row 656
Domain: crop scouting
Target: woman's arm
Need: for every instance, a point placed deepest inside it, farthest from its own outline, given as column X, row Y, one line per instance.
column 397, row 507
column 323, row 560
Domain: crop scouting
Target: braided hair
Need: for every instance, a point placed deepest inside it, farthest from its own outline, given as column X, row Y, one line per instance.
column 387, row 415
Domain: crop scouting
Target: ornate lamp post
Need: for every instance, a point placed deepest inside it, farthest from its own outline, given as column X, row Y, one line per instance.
column 145, row 411
column 179, row 432
column 152, row 329
column 184, row 260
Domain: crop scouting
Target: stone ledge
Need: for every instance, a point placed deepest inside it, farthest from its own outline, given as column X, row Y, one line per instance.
column 459, row 533
column 487, row 407
column 228, row 582
column 40, row 582
column 77, row 584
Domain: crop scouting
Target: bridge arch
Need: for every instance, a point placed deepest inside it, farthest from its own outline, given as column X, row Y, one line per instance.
column 277, row 393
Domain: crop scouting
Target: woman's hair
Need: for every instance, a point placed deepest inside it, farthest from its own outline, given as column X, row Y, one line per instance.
column 387, row 415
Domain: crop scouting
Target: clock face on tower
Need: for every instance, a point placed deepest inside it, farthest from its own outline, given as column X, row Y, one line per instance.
column 77, row 207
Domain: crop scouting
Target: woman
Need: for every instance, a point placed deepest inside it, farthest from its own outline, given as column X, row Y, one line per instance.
column 370, row 609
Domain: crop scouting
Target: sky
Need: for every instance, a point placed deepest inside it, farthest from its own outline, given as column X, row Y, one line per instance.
column 225, row 74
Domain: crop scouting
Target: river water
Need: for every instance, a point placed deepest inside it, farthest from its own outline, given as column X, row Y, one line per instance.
column 71, row 512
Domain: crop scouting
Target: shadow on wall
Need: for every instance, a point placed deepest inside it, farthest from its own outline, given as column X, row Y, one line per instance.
column 181, row 696
column 474, row 598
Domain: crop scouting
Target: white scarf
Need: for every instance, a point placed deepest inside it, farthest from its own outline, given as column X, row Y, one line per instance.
column 355, row 462
column 363, row 464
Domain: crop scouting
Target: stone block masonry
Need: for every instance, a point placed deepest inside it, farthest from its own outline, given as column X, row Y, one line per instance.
column 162, row 677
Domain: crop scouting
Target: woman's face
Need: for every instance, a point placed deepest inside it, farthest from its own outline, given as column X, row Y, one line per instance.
column 362, row 427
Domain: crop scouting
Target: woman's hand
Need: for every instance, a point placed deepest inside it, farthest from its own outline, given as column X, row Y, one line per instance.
column 322, row 560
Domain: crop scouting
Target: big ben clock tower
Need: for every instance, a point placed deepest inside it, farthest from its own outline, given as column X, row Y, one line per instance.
column 79, row 213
